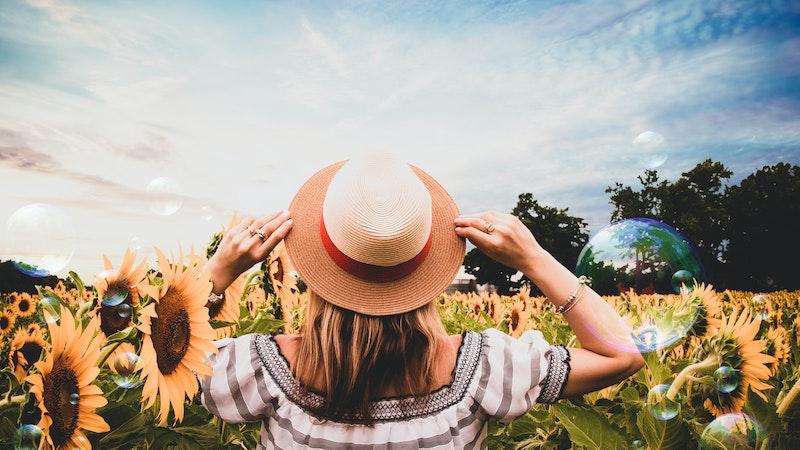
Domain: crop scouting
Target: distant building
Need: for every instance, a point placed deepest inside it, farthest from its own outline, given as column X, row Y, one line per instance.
column 463, row 282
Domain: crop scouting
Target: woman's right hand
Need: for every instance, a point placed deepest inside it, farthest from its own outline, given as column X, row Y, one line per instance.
column 510, row 243
column 240, row 249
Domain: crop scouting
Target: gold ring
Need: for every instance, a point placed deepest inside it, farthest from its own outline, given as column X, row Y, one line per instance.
column 261, row 235
column 489, row 227
column 251, row 230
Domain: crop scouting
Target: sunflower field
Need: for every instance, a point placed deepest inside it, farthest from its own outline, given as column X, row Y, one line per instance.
column 113, row 364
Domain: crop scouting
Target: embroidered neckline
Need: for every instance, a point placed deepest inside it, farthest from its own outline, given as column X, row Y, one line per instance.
column 384, row 409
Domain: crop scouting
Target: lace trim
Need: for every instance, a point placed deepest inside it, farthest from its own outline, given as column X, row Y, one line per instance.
column 384, row 409
column 557, row 373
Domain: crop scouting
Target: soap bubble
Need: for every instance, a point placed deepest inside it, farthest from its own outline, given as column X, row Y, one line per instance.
column 74, row 398
column 651, row 151
column 124, row 374
column 637, row 444
column 732, row 431
column 759, row 303
column 726, row 378
column 661, row 407
column 27, row 437
column 682, row 278
column 640, row 254
column 114, row 298
column 207, row 213
column 52, row 305
column 164, row 197
column 136, row 243
column 123, row 310
column 40, row 239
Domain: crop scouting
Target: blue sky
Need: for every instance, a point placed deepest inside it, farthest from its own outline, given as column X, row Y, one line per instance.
column 239, row 102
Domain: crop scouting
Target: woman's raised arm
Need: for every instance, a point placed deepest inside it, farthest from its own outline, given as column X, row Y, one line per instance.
column 608, row 354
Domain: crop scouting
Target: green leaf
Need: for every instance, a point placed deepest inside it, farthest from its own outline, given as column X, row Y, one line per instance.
column 127, row 434
column 78, row 282
column 629, row 394
column 764, row 413
column 262, row 325
column 589, row 428
column 123, row 335
column 220, row 324
column 662, row 434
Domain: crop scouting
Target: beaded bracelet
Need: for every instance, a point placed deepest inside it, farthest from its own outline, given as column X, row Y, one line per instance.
column 574, row 298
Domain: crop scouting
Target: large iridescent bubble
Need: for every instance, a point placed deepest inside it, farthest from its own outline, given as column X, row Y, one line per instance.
column 732, row 431
column 645, row 255
column 40, row 239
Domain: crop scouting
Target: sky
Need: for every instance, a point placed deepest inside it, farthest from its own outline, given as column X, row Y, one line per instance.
column 232, row 105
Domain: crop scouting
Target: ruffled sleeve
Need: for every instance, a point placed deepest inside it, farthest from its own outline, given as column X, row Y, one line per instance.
column 237, row 391
column 518, row 372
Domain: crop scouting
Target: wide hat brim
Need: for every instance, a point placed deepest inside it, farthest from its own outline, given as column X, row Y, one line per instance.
column 324, row 277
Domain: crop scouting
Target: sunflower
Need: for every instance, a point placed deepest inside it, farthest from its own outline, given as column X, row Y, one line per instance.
column 7, row 319
column 709, row 309
column 778, row 346
column 176, row 336
column 24, row 304
column 26, row 347
column 119, row 291
column 735, row 345
column 63, row 387
column 227, row 309
column 281, row 271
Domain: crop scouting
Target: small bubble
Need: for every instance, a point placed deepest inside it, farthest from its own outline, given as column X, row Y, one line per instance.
column 651, row 151
column 661, row 407
column 759, row 303
column 164, row 196
column 726, row 378
column 680, row 279
column 74, row 398
column 136, row 243
column 53, row 306
column 27, row 437
column 123, row 310
column 40, row 239
column 124, row 365
column 646, row 338
column 207, row 213
column 733, row 430
column 114, row 298
column 637, row 445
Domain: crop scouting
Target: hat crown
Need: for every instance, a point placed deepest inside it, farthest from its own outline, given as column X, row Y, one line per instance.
column 377, row 211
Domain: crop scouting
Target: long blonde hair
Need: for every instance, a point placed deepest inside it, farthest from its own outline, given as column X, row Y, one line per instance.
column 352, row 358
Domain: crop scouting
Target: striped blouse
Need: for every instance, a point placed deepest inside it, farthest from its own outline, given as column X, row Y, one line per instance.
column 496, row 376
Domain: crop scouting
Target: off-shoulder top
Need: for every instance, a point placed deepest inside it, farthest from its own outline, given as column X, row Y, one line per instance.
column 495, row 376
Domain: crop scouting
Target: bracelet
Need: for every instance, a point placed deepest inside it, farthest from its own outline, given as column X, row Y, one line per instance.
column 574, row 298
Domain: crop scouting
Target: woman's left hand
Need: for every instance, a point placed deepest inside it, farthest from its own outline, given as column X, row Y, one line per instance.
column 242, row 247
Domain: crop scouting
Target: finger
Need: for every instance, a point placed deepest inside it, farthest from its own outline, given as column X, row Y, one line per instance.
column 261, row 221
column 474, row 222
column 276, row 236
column 476, row 236
column 267, row 229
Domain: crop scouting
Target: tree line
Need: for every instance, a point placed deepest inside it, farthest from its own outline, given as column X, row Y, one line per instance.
column 747, row 235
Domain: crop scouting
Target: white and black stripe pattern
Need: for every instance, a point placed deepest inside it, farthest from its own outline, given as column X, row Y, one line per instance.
column 496, row 375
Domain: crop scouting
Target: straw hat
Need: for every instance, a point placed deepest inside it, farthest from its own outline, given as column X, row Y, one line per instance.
column 375, row 235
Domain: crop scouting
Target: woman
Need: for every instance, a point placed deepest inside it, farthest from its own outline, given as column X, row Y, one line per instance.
column 377, row 241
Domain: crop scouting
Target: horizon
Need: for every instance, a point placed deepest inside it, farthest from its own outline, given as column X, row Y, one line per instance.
column 237, row 105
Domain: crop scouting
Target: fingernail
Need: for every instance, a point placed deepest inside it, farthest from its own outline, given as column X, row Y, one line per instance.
column 458, row 229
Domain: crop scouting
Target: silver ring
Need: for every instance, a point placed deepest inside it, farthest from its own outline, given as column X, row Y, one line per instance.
column 251, row 230
column 261, row 235
column 489, row 226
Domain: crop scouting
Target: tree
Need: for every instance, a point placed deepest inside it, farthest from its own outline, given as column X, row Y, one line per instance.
column 558, row 232
column 764, row 215
column 694, row 204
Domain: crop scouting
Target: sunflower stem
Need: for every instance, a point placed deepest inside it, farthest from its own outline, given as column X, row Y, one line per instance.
column 789, row 399
column 689, row 372
column 10, row 402
column 106, row 352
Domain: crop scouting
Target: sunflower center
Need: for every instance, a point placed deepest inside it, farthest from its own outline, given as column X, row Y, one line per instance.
column 61, row 400
column 115, row 309
column 24, row 305
column 31, row 351
column 4, row 322
column 215, row 307
column 170, row 334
